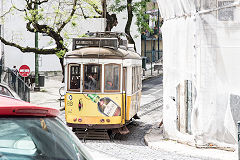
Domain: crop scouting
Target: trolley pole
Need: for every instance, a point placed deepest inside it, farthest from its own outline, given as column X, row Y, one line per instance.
column 36, row 88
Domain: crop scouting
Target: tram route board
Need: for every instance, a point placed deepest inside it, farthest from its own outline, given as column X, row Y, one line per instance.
column 95, row 42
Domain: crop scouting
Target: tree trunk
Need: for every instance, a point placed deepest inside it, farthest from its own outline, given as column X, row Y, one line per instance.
column 63, row 70
column 129, row 23
column 111, row 21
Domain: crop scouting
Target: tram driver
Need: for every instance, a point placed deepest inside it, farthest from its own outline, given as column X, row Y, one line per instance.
column 92, row 82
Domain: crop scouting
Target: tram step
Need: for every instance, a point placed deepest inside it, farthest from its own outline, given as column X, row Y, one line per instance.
column 93, row 134
column 124, row 130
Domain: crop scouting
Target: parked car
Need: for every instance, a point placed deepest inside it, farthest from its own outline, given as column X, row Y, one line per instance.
column 29, row 132
column 7, row 91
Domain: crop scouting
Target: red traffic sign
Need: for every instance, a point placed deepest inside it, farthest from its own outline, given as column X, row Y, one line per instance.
column 24, row 71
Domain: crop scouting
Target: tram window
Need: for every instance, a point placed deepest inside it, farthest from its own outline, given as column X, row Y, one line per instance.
column 111, row 78
column 134, row 80
column 124, row 78
column 92, row 80
column 74, row 71
column 140, row 78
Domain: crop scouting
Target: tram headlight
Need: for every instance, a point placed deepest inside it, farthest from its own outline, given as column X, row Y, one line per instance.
column 108, row 120
column 79, row 119
column 75, row 119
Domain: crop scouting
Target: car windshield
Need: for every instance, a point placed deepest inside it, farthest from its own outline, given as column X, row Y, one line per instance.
column 38, row 139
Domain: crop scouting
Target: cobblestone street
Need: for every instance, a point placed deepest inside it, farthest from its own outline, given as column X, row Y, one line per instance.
column 132, row 145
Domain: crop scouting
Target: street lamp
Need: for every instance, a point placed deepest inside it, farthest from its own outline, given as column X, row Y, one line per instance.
column 36, row 88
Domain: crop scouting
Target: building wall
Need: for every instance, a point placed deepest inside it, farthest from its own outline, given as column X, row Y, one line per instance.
column 201, row 48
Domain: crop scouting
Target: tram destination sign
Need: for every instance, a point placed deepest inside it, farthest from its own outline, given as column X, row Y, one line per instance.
column 95, row 42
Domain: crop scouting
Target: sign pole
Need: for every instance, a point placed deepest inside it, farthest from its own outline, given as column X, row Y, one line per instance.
column 24, row 88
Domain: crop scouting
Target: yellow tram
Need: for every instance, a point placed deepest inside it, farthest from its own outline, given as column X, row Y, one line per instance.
column 102, row 84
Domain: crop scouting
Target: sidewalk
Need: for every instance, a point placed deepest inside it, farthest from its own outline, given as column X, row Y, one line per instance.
column 49, row 94
column 151, row 73
column 154, row 139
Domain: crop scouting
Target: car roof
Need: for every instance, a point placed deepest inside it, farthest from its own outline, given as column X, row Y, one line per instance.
column 15, row 107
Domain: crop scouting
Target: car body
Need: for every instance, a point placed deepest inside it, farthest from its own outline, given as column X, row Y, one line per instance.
column 5, row 90
column 29, row 132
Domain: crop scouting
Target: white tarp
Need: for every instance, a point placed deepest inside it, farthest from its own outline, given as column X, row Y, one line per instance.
column 201, row 44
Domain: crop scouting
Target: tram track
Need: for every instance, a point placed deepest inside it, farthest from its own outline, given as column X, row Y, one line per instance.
column 133, row 146
column 152, row 106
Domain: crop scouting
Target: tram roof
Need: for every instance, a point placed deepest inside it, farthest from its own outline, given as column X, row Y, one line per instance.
column 102, row 53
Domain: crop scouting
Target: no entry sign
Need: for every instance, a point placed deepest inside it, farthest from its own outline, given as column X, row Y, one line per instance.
column 24, row 71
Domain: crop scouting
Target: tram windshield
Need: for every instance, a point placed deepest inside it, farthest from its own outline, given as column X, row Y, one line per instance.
column 111, row 78
column 92, row 73
column 74, row 77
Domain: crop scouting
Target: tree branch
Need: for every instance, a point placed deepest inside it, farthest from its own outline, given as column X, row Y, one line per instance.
column 7, row 12
column 51, row 33
column 40, row 2
column 82, row 11
column 20, row 10
column 29, row 49
column 29, row 4
column 29, row 28
column 69, row 18
column 95, row 7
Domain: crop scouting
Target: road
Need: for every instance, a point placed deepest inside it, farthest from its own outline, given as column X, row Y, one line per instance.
column 132, row 146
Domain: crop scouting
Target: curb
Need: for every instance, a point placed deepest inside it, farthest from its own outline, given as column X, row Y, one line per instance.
column 154, row 139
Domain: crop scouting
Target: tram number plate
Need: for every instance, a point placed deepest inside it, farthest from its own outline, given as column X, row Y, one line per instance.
column 92, row 60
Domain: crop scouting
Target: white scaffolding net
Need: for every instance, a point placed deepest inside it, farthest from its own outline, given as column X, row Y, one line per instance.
column 201, row 46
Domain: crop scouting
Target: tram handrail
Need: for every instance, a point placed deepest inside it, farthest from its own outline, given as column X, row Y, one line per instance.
column 61, row 93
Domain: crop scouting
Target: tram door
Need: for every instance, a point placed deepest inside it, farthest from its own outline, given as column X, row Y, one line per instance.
column 124, row 88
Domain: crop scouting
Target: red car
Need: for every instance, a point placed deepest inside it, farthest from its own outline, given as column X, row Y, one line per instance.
column 29, row 132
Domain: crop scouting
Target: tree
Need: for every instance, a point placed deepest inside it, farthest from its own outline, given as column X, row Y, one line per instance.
column 50, row 22
column 133, row 8
column 36, row 22
column 137, row 8
column 111, row 19
column 53, row 22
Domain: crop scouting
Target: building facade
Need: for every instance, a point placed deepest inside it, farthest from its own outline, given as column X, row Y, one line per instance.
column 201, row 71
column 151, row 41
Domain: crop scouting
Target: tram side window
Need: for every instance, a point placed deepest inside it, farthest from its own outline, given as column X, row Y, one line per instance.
column 111, row 77
column 92, row 80
column 74, row 77
column 140, row 78
column 134, row 83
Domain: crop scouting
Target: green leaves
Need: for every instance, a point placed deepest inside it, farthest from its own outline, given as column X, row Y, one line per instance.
column 139, row 10
column 61, row 53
